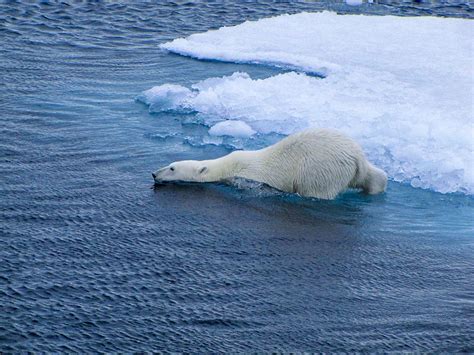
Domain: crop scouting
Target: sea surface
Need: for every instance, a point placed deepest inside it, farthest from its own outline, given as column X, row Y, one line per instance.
column 93, row 257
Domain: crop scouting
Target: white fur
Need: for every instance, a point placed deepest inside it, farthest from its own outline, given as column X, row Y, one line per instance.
column 315, row 163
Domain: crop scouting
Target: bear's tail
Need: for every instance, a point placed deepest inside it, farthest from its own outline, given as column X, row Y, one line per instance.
column 376, row 180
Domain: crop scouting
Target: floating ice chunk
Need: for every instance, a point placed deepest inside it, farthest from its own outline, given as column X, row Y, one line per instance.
column 238, row 129
column 165, row 97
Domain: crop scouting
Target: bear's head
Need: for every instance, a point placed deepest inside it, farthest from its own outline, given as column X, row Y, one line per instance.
column 186, row 170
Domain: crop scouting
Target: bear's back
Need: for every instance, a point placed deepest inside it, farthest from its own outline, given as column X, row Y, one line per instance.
column 317, row 143
column 316, row 162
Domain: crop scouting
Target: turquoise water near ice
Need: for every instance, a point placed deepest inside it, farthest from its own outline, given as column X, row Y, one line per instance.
column 93, row 257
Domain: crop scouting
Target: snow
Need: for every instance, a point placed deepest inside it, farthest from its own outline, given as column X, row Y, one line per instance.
column 401, row 86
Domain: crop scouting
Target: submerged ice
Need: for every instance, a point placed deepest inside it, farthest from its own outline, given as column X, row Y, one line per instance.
column 400, row 86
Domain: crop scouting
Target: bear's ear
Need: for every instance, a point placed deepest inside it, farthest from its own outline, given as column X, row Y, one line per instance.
column 203, row 170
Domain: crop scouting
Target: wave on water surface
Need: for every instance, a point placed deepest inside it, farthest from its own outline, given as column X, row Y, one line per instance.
column 401, row 86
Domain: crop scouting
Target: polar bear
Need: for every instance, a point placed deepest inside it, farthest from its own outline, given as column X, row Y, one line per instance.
column 317, row 163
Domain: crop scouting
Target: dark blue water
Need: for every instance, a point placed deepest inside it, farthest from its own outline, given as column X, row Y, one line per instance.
column 93, row 258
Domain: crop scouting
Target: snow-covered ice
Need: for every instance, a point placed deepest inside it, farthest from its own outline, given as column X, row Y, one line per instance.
column 421, row 50
column 401, row 86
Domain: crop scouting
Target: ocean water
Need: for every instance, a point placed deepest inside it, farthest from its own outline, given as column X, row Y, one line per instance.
column 93, row 257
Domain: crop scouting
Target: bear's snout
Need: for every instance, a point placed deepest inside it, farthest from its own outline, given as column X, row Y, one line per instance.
column 158, row 174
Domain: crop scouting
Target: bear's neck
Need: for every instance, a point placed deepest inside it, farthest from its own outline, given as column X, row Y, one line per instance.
column 236, row 164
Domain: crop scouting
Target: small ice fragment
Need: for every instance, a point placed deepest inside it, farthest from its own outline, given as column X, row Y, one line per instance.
column 238, row 129
column 165, row 97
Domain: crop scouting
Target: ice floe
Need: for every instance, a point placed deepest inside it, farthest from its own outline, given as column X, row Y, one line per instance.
column 401, row 86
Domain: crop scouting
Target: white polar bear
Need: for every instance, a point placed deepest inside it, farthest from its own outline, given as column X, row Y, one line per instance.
column 314, row 163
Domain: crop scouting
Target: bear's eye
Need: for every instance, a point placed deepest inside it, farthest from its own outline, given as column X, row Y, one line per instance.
column 172, row 169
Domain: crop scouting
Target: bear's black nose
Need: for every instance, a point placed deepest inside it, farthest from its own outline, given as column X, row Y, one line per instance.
column 154, row 176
